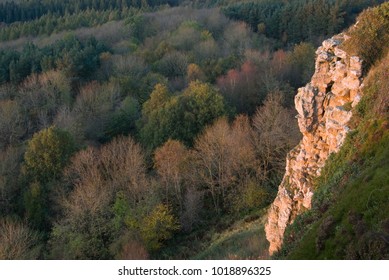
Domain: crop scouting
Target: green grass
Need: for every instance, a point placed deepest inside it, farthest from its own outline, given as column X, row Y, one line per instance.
column 365, row 196
column 244, row 240
column 227, row 237
column 350, row 214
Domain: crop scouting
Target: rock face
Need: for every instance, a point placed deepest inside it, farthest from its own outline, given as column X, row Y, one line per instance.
column 323, row 107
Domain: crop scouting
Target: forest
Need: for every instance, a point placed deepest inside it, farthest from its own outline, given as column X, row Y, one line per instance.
column 143, row 129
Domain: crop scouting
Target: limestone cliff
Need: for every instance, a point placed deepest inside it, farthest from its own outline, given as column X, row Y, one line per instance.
column 324, row 110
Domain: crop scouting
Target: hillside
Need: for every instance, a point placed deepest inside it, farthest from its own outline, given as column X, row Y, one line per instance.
column 348, row 216
column 145, row 129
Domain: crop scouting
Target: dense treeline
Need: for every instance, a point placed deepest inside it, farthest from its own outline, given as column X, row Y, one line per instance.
column 135, row 149
column 51, row 23
column 11, row 11
column 299, row 20
column 286, row 21
column 138, row 128
column 73, row 57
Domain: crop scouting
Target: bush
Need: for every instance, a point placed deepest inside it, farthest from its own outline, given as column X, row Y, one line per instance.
column 370, row 36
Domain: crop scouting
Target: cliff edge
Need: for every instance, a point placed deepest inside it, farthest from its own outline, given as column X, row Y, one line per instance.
column 324, row 110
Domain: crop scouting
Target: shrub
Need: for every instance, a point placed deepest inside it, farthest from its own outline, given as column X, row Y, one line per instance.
column 369, row 37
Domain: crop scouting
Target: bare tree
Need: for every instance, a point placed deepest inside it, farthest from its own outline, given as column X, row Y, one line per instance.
column 123, row 167
column 238, row 37
column 170, row 162
column 11, row 126
column 133, row 250
column 224, row 156
column 40, row 97
column 98, row 174
column 17, row 241
column 92, row 109
column 90, row 194
column 243, row 88
column 275, row 133
column 97, row 177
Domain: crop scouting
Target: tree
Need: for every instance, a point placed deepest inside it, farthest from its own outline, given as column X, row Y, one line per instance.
column 302, row 64
column 194, row 73
column 96, row 178
column 75, row 58
column 47, row 154
column 11, row 127
column 41, row 96
column 224, row 159
column 170, row 160
column 123, row 120
column 275, row 133
column 198, row 106
column 296, row 21
column 83, row 236
column 238, row 37
column 90, row 116
column 261, row 27
column 10, row 161
column 36, row 205
column 243, row 88
column 180, row 117
column 152, row 126
column 173, row 64
column 186, row 36
column 17, row 241
column 193, row 205
column 206, row 50
column 158, row 227
column 123, row 167
column 129, row 248
column 129, row 71
column 96, row 175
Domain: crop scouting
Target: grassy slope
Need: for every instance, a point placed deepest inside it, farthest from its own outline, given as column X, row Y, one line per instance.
column 243, row 240
column 229, row 238
column 355, row 225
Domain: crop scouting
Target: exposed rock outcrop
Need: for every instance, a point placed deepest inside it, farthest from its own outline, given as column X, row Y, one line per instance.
column 324, row 110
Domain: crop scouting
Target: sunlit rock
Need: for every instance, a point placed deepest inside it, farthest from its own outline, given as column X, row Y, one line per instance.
column 323, row 107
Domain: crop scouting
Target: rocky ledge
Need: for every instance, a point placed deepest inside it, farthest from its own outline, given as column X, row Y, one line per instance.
column 324, row 110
